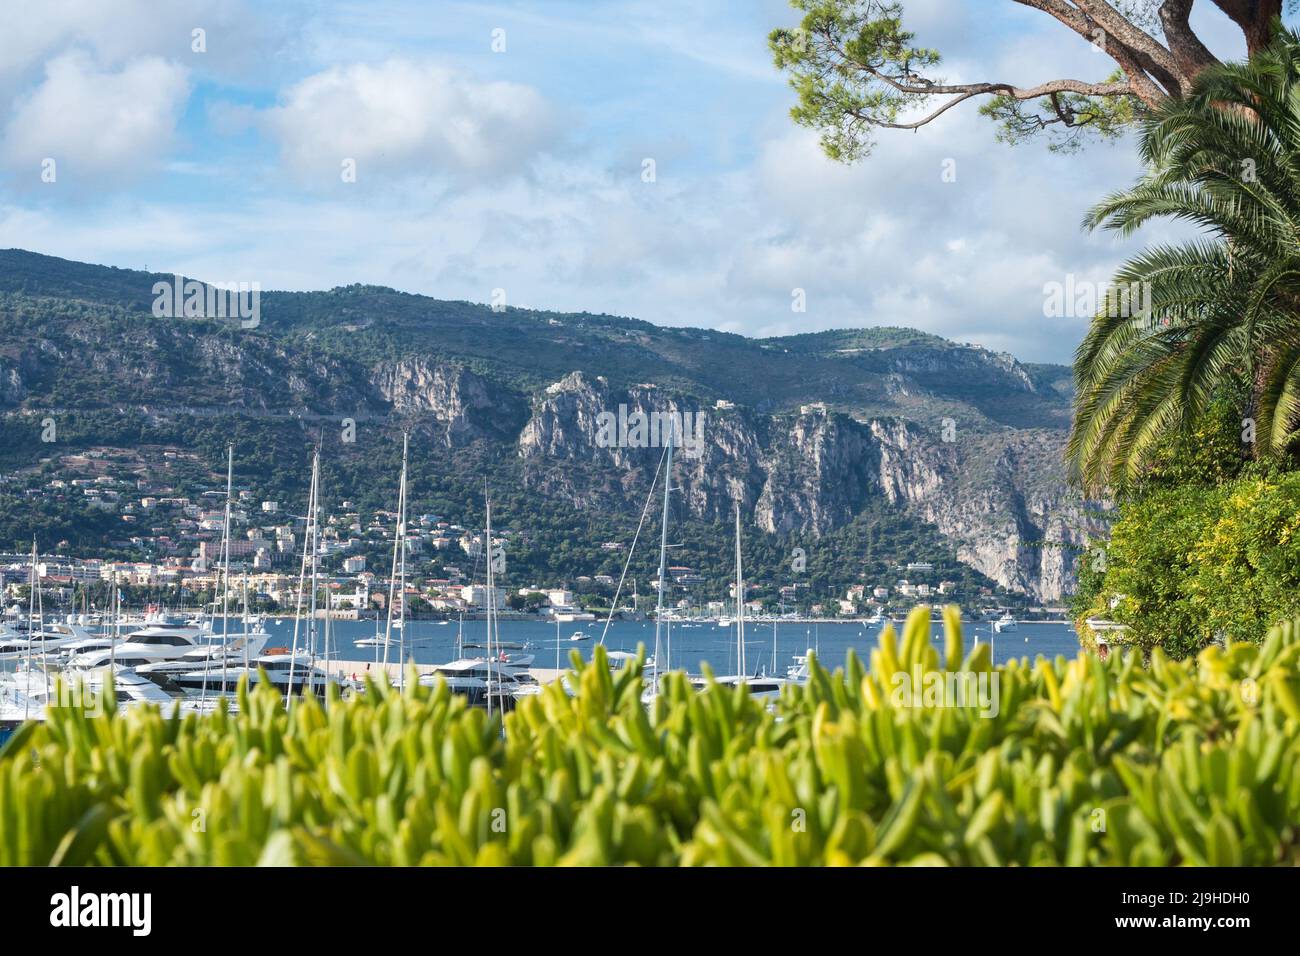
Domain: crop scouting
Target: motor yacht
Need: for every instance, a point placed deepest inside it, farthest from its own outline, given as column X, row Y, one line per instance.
column 287, row 673
column 145, row 646
column 1005, row 623
column 25, row 695
column 479, row 680
column 50, row 640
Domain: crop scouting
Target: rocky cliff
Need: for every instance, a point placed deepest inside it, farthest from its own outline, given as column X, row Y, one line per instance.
column 457, row 405
column 1001, row 497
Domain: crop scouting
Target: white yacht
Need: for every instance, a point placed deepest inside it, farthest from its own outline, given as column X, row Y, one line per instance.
column 24, row 695
column 761, row 687
column 480, row 680
column 180, row 636
column 766, row 688
column 287, row 673
column 210, row 653
column 1005, row 623
column 798, row 672
column 145, row 646
column 51, row 640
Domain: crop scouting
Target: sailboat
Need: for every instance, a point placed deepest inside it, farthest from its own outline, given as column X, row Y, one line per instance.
column 396, row 604
column 304, row 666
column 495, row 680
column 768, row 687
column 652, row 691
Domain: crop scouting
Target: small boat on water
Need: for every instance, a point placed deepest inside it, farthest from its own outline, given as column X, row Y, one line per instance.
column 580, row 636
column 798, row 672
column 1005, row 623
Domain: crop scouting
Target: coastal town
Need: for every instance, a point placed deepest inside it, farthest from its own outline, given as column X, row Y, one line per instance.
column 169, row 551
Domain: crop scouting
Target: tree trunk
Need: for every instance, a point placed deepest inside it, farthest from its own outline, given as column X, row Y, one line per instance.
column 1255, row 17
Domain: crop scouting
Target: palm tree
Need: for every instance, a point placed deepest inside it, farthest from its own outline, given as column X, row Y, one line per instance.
column 1219, row 313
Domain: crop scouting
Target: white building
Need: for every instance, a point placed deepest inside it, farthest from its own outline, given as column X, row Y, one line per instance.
column 560, row 598
column 476, row 595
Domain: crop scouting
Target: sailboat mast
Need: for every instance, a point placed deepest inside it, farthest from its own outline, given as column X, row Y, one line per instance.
column 488, row 545
column 401, row 587
column 117, row 628
column 398, row 568
column 315, row 567
column 302, row 579
column 740, row 601
column 663, row 560
column 225, row 573
column 45, row 666
column 31, row 617
column 245, row 624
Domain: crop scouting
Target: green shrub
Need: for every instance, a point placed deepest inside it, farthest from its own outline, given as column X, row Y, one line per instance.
column 1085, row 763
column 1195, row 564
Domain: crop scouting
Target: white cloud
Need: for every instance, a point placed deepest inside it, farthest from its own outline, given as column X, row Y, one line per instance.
column 118, row 32
column 96, row 124
column 403, row 117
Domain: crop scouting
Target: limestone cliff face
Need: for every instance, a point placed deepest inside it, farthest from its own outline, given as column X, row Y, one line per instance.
column 1000, row 497
column 455, row 404
column 566, row 453
column 1004, row 501
column 819, row 470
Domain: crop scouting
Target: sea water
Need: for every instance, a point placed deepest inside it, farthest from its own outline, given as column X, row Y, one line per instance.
column 429, row 642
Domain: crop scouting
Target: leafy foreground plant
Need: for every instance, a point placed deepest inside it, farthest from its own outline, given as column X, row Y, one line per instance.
column 1084, row 763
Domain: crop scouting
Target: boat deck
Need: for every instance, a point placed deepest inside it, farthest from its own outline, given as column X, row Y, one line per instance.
column 359, row 670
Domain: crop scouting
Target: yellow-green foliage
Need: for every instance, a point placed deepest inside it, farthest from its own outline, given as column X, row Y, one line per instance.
column 1085, row 763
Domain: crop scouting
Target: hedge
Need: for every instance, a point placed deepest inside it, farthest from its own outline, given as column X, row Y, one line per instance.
column 1085, row 762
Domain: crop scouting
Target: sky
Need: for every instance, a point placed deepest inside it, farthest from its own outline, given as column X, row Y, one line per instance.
column 520, row 172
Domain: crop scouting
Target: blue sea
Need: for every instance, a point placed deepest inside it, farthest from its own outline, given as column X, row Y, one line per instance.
column 768, row 649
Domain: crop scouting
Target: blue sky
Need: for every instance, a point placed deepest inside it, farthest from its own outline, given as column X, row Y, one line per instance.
column 522, row 170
